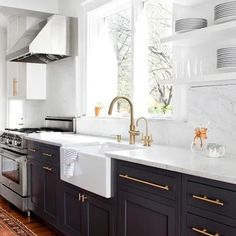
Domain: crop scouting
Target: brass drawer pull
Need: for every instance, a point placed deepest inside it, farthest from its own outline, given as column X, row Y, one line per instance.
column 47, row 154
column 204, row 232
column 47, row 168
column 166, row 187
column 82, row 197
column 206, row 199
column 32, row 150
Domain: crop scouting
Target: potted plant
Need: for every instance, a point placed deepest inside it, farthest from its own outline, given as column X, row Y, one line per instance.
column 98, row 109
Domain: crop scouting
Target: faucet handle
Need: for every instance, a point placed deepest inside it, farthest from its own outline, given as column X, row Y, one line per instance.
column 150, row 140
column 118, row 137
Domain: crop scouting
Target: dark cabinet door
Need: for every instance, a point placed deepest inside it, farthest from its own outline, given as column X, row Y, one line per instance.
column 99, row 217
column 35, row 186
column 50, row 176
column 72, row 209
column 140, row 216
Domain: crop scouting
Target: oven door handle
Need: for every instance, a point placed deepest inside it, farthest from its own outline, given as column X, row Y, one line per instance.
column 13, row 158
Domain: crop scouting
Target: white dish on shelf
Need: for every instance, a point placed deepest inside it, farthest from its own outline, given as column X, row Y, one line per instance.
column 225, row 12
column 189, row 24
column 225, row 19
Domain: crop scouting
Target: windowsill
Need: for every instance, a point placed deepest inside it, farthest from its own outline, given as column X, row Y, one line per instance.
column 152, row 119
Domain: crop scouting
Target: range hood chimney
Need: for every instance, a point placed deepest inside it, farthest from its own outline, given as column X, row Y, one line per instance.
column 43, row 43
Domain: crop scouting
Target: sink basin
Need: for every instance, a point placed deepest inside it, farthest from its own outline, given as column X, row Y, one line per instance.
column 92, row 170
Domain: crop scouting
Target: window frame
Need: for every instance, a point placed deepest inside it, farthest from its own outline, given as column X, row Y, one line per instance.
column 89, row 10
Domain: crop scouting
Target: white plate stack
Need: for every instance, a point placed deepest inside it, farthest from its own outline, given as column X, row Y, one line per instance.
column 226, row 58
column 189, row 24
column 225, row 12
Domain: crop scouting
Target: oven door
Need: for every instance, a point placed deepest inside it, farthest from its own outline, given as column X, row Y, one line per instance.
column 13, row 171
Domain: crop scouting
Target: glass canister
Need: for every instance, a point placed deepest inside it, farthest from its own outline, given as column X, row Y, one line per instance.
column 199, row 143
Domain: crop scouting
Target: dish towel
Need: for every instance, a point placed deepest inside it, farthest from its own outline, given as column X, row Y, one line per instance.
column 70, row 158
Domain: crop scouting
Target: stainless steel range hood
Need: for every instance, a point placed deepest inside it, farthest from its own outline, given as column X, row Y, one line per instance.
column 45, row 42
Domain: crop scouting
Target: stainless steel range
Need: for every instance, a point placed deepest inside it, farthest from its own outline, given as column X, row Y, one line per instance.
column 13, row 158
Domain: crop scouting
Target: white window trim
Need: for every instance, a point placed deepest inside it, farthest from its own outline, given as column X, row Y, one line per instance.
column 89, row 6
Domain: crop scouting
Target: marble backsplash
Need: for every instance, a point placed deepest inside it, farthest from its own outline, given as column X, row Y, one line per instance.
column 216, row 105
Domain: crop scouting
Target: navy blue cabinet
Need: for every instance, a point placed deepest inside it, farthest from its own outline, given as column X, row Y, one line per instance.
column 85, row 214
column 208, row 207
column 43, row 181
column 148, row 201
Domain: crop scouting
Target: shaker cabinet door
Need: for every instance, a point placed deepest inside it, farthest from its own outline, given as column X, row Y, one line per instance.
column 50, row 192
column 72, row 210
column 99, row 217
column 35, row 186
column 140, row 216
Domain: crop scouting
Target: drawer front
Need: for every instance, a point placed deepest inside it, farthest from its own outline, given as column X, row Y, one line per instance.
column 197, row 226
column 211, row 198
column 147, row 179
column 43, row 153
column 33, row 149
column 50, row 155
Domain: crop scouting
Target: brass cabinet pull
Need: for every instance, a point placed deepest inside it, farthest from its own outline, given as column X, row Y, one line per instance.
column 206, row 199
column 47, row 154
column 47, row 168
column 164, row 187
column 32, row 150
column 204, row 232
column 84, row 198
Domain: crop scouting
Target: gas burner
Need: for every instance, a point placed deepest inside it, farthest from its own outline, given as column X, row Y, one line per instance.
column 35, row 130
column 24, row 130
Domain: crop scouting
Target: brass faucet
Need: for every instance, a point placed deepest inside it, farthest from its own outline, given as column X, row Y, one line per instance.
column 132, row 129
column 147, row 139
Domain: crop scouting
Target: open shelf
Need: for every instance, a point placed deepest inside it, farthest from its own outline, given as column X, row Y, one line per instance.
column 191, row 3
column 223, row 78
column 206, row 35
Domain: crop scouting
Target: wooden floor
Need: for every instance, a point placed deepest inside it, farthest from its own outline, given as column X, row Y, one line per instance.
column 33, row 222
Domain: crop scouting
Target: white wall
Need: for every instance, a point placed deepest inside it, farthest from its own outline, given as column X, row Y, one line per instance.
column 61, row 96
column 2, row 78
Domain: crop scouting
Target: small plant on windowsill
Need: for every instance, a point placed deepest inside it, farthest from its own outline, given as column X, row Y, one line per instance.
column 98, row 108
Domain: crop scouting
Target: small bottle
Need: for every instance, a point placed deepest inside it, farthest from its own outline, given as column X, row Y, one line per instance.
column 199, row 143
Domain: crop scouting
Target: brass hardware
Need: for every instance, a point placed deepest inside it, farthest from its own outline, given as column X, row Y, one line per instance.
column 118, row 138
column 132, row 129
column 47, row 168
column 47, row 154
column 32, row 150
column 164, row 187
column 206, row 199
column 84, row 198
column 204, row 232
column 147, row 139
column 80, row 196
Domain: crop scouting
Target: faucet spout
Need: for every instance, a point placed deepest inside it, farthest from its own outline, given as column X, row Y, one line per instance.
column 132, row 131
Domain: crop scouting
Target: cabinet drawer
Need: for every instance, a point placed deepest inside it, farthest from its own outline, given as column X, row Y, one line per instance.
column 211, row 198
column 50, row 155
column 43, row 152
column 197, row 226
column 33, row 149
column 152, row 180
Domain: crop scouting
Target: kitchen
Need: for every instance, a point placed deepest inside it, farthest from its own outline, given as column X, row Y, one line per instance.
column 97, row 174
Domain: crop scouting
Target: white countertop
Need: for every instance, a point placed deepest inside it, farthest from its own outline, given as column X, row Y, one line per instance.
column 164, row 157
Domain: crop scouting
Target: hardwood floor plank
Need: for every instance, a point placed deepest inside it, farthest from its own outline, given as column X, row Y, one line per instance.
column 32, row 222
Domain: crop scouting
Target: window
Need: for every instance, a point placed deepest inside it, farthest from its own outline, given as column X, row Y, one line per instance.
column 159, row 19
column 126, row 57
